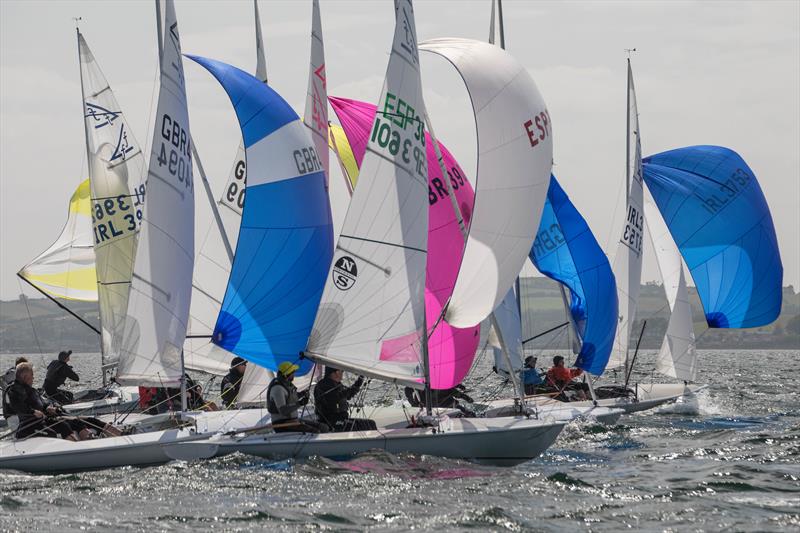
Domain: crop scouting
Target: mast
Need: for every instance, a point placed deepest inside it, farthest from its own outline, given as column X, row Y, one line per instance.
column 502, row 29
column 261, row 60
column 628, row 170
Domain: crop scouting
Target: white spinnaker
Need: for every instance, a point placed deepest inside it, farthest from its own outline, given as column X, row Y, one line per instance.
column 213, row 267
column 628, row 259
column 372, row 313
column 116, row 173
column 515, row 156
column 161, row 289
column 316, row 113
column 677, row 357
column 507, row 316
column 66, row 269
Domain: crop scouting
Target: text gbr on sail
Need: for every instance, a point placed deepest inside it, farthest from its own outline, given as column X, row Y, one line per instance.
column 177, row 160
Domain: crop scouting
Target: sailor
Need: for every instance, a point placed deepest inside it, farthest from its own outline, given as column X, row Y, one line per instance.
column 232, row 382
column 531, row 378
column 447, row 398
column 330, row 402
column 194, row 396
column 39, row 418
column 561, row 378
column 58, row 371
column 283, row 401
column 11, row 374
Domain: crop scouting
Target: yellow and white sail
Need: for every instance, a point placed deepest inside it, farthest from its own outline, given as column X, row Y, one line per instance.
column 67, row 269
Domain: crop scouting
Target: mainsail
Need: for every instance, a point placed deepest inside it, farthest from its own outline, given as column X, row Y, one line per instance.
column 565, row 250
column 316, row 113
column 677, row 356
column 116, row 174
column 515, row 154
column 161, row 288
column 718, row 217
column 66, row 269
column 284, row 247
column 450, row 350
column 628, row 259
column 372, row 315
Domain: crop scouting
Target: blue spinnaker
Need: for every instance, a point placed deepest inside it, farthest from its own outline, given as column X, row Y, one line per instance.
column 285, row 241
column 718, row 216
column 565, row 250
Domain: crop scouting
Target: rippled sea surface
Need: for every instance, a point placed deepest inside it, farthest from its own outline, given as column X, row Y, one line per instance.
column 729, row 461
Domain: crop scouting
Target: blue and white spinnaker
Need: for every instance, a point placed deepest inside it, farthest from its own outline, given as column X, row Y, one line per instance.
column 286, row 238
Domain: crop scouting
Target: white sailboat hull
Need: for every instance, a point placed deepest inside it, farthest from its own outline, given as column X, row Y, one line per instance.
column 501, row 441
column 49, row 455
column 648, row 396
column 124, row 400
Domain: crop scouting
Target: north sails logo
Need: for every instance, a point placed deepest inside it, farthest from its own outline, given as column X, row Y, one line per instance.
column 344, row 273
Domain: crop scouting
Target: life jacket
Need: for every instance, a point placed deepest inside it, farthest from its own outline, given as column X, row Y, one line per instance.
column 291, row 398
column 146, row 395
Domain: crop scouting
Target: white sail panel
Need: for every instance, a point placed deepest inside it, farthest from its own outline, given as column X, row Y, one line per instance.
column 316, row 113
column 372, row 313
column 158, row 308
column 116, row 174
column 508, row 319
column 515, row 156
column 628, row 259
column 66, row 269
column 677, row 357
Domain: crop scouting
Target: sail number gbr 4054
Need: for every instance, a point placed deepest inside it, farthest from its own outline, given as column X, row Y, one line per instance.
column 174, row 152
column 391, row 131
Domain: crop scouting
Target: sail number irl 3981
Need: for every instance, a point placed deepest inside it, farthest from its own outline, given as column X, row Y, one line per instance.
column 175, row 151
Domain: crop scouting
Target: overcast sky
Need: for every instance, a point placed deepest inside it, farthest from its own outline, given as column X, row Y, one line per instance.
column 725, row 73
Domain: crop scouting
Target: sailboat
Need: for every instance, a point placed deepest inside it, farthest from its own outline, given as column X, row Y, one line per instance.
column 371, row 318
column 455, row 348
column 158, row 305
column 105, row 255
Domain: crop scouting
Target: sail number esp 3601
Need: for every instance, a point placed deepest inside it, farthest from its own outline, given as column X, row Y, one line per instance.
column 394, row 128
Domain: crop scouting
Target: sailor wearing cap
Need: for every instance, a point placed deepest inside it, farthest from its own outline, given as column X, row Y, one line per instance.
column 283, row 401
column 58, row 371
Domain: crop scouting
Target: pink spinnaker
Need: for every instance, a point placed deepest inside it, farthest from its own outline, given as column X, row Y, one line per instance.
column 450, row 350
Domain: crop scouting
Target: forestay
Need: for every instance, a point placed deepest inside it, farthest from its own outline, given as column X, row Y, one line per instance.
column 677, row 356
column 566, row 250
column 628, row 259
column 116, row 174
column 161, row 288
column 719, row 219
column 285, row 240
column 450, row 350
column 515, row 154
column 214, row 258
column 372, row 315
column 66, row 269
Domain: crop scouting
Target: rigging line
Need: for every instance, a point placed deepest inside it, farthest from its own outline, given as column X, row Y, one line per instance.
column 27, row 309
column 59, row 304
column 545, row 332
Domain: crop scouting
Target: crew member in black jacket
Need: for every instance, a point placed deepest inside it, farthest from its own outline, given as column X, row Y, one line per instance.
column 330, row 402
column 58, row 371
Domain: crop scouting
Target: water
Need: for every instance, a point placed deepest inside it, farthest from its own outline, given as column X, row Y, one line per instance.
column 730, row 461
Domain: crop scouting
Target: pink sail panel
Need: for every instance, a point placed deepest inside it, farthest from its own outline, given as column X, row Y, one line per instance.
column 451, row 350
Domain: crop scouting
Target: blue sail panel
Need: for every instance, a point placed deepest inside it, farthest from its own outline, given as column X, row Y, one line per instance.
column 719, row 218
column 566, row 251
column 285, row 240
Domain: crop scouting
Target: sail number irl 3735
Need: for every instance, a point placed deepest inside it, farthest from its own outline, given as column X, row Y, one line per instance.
column 394, row 128
column 175, row 150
